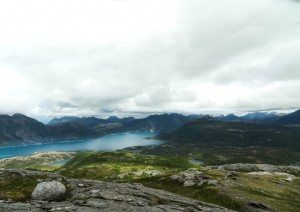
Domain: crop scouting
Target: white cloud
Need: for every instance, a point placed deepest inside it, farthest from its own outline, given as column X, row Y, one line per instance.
column 73, row 57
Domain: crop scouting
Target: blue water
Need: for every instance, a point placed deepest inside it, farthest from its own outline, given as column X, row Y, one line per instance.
column 106, row 143
column 60, row 162
column 197, row 162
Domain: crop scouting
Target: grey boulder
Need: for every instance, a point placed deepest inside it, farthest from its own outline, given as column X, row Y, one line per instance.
column 49, row 191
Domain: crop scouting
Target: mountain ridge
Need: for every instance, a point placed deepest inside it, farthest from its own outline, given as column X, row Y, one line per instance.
column 20, row 128
column 213, row 133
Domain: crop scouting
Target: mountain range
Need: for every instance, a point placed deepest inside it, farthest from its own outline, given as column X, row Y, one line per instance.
column 90, row 121
column 19, row 128
column 264, row 118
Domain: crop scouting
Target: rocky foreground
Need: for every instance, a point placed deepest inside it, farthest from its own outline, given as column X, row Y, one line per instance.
column 90, row 196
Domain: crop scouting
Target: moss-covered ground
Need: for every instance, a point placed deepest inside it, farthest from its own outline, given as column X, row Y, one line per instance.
column 107, row 165
column 226, row 155
column 17, row 188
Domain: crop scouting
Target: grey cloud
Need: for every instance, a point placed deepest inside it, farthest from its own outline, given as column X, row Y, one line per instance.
column 221, row 54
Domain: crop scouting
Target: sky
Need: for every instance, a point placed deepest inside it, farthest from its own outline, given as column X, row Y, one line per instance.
column 135, row 57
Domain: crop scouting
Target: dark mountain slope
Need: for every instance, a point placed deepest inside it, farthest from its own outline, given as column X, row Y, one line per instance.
column 158, row 123
column 63, row 120
column 71, row 131
column 19, row 127
column 90, row 122
column 257, row 118
column 115, row 119
column 229, row 118
column 261, row 118
column 22, row 129
column 290, row 119
column 212, row 133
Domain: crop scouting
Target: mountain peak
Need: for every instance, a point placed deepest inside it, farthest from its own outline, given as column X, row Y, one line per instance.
column 113, row 118
column 19, row 115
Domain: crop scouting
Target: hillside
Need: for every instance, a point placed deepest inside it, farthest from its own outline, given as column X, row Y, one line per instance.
column 159, row 123
column 63, row 120
column 290, row 119
column 210, row 132
column 107, row 181
column 90, row 122
column 256, row 118
column 20, row 129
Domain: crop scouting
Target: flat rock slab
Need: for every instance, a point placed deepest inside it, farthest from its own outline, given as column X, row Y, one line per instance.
column 104, row 196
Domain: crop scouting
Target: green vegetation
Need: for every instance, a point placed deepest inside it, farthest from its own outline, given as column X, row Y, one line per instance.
column 39, row 161
column 205, row 192
column 107, row 165
column 271, row 190
column 255, row 155
column 17, row 188
column 210, row 133
column 220, row 156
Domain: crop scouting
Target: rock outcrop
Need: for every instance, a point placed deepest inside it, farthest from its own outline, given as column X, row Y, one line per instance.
column 92, row 196
column 266, row 168
column 151, row 173
column 49, row 191
column 193, row 177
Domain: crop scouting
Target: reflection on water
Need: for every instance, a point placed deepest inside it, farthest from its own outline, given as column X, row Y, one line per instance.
column 197, row 162
column 106, row 143
column 60, row 162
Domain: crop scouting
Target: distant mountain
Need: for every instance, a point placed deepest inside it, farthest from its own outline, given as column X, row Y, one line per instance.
column 159, row 123
column 22, row 129
column 261, row 118
column 104, row 129
column 63, row 120
column 71, row 131
column 115, row 119
column 290, row 119
column 90, row 122
column 229, row 118
column 212, row 133
column 257, row 118
column 25, row 130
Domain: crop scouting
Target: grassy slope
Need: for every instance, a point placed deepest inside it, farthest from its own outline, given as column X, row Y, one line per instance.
column 270, row 190
column 210, row 133
column 219, row 156
column 18, row 188
column 99, row 165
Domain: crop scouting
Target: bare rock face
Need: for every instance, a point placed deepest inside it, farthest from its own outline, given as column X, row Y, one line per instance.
column 49, row 191
column 193, row 177
column 94, row 196
column 147, row 173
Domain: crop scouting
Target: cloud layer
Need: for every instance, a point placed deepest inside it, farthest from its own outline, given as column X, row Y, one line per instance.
column 74, row 57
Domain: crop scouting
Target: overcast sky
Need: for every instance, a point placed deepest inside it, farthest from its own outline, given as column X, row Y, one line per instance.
column 121, row 57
